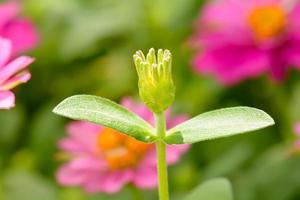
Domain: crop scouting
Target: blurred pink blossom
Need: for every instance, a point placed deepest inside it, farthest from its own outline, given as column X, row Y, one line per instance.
column 20, row 31
column 12, row 73
column 104, row 160
column 297, row 129
column 238, row 39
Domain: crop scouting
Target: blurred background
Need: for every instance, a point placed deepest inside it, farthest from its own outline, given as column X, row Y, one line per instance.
column 86, row 47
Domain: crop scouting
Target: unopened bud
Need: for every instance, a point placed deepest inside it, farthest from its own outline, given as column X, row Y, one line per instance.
column 156, row 86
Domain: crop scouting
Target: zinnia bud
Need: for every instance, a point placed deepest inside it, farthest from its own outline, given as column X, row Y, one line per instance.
column 156, row 86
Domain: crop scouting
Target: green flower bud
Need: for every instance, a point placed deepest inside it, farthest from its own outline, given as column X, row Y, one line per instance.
column 156, row 86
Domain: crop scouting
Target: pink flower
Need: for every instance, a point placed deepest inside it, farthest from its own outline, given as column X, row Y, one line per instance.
column 244, row 39
column 104, row 160
column 297, row 129
column 12, row 73
column 20, row 31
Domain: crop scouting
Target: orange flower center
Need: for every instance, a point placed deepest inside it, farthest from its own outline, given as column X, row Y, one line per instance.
column 120, row 151
column 267, row 21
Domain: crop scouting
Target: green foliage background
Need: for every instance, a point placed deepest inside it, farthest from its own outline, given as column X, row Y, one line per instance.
column 86, row 46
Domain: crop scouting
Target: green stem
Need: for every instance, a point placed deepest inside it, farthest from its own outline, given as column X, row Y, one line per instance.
column 163, row 188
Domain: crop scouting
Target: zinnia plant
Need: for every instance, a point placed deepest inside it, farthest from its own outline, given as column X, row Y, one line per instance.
column 102, row 159
column 239, row 40
column 157, row 91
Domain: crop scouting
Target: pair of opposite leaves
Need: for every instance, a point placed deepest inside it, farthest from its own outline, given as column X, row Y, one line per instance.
column 210, row 125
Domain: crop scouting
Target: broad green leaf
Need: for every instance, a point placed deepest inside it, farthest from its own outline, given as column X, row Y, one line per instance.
column 214, row 189
column 107, row 113
column 219, row 123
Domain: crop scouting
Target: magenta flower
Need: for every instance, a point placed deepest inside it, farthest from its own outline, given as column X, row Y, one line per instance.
column 244, row 39
column 12, row 73
column 104, row 160
column 20, row 31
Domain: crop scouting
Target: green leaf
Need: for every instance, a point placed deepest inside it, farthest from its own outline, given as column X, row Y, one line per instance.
column 107, row 113
column 214, row 189
column 219, row 123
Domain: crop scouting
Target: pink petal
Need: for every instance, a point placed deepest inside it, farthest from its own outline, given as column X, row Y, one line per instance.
column 22, row 34
column 14, row 67
column 181, row 148
column 80, row 129
column 76, row 146
column 79, row 170
column 278, row 69
column 83, row 137
column 8, row 11
column 71, row 145
column 232, row 63
column 127, row 102
column 291, row 53
column 168, row 114
column 16, row 80
column 5, row 51
column 220, row 22
column 207, row 38
column 229, row 14
column 67, row 176
column 256, row 3
column 139, row 109
column 297, row 145
column 176, row 120
column 293, row 20
column 109, row 182
column 149, row 158
column 174, row 153
column 297, row 129
column 145, row 177
column 7, row 100
column 88, row 163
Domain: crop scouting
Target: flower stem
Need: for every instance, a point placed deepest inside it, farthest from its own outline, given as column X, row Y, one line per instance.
column 163, row 188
